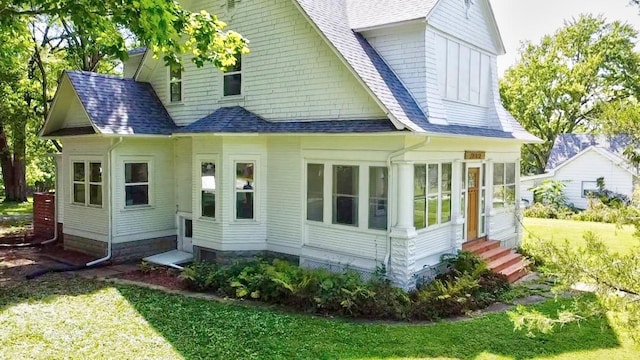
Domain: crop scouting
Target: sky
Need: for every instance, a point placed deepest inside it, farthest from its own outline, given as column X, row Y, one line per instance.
column 520, row 20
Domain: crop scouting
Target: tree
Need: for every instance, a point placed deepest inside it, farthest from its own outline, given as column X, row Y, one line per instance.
column 562, row 83
column 87, row 32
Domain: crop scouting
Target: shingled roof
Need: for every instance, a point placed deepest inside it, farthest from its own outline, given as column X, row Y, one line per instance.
column 121, row 106
column 371, row 13
column 567, row 146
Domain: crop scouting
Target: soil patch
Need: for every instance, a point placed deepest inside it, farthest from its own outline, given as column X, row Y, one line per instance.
column 167, row 278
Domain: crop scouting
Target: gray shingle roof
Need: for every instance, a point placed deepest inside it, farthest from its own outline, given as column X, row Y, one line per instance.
column 137, row 51
column 371, row 13
column 569, row 145
column 236, row 119
column 121, row 106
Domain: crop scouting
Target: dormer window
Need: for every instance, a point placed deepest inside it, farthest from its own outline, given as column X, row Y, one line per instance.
column 175, row 84
column 233, row 79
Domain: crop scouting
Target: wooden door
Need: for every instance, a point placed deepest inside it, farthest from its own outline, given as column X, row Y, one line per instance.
column 472, row 209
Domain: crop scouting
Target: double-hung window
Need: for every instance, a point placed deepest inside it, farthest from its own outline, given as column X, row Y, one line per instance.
column 504, row 184
column 87, row 183
column 208, row 189
column 432, row 195
column 175, row 84
column 232, row 79
column 245, row 190
column 345, row 195
column 136, row 184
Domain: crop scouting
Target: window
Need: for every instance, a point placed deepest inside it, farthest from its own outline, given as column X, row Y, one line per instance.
column 87, row 175
column 208, row 189
column 432, row 195
column 504, row 184
column 345, row 195
column 315, row 192
column 233, row 79
column 589, row 187
column 245, row 190
column 175, row 83
column 378, row 188
column 136, row 183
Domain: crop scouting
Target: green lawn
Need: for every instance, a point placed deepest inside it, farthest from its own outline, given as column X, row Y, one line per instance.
column 15, row 208
column 65, row 317
column 617, row 239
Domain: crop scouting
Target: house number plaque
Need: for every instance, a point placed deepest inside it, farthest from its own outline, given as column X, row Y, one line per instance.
column 474, row 155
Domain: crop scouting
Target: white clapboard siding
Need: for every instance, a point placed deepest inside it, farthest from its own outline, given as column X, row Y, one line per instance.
column 588, row 167
column 285, row 193
column 291, row 73
column 159, row 217
column 347, row 241
column 430, row 244
column 450, row 16
column 184, row 174
column 78, row 219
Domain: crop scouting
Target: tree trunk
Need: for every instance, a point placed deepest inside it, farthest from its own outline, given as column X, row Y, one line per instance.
column 14, row 167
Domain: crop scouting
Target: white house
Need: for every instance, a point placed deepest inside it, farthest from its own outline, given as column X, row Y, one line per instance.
column 578, row 160
column 355, row 133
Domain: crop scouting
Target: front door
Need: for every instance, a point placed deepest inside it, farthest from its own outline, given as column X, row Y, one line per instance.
column 472, row 209
column 186, row 234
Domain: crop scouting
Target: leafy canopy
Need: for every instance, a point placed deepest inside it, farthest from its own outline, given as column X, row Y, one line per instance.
column 562, row 83
column 163, row 25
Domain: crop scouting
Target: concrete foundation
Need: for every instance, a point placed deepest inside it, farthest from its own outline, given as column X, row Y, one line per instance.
column 121, row 252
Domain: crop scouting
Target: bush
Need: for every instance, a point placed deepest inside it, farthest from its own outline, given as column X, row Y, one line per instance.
column 539, row 210
column 600, row 212
column 467, row 286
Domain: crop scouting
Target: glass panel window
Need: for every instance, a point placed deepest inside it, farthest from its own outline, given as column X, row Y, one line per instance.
column 419, row 194
column 136, row 185
column 87, row 183
column 175, row 83
column 589, row 187
column 504, row 184
column 378, row 188
column 208, row 189
column 79, row 186
column 345, row 195
column 245, row 190
column 315, row 192
column 188, row 228
column 445, row 215
column 78, row 171
column 78, row 193
column 232, row 79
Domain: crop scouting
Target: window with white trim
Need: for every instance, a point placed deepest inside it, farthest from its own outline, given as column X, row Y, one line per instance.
column 432, row 195
column 175, row 84
column 378, row 194
column 87, row 183
column 136, row 183
column 504, row 184
column 245, row 190
column 345, row 194
column 315, row 192
column 589, row 187
column 208, row 189
column 232, row 79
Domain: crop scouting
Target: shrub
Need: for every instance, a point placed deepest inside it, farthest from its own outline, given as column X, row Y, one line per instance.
column 542, row 211
column 467, row 286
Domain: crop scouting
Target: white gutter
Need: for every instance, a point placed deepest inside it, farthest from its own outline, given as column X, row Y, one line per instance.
column 110, row 206
column 396, row 153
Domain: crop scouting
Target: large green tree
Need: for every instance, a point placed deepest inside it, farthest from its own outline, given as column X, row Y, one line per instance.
column 561, row 84
column 85, row 34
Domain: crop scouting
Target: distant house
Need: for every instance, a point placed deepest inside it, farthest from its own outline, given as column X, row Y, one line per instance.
column 356, row 133
column 579, row 160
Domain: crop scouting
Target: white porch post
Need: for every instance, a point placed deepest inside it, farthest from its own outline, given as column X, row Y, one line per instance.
column 403, row 233
column 490, row 212
column 519, row 211
column 457, row 218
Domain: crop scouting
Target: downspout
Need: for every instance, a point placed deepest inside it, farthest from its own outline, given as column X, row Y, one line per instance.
column 110, row 203
column 396, row 153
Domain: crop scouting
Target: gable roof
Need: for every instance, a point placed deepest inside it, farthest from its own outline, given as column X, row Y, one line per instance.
column 118, row 106
column 567, row 146
column 371, row 13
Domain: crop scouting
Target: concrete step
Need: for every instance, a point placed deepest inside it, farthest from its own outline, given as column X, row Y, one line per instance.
column 466, row 245
column 504, row 262
column 482, row 246
column 494, row 253
column 516, row 271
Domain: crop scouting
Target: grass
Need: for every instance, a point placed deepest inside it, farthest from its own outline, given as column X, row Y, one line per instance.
column 12, row 208
column 617, row 239
column 60, row 316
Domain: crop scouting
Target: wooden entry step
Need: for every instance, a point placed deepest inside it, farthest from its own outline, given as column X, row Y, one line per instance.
column 499, row 259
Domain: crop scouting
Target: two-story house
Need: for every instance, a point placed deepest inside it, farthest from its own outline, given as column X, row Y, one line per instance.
column 355, row 134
